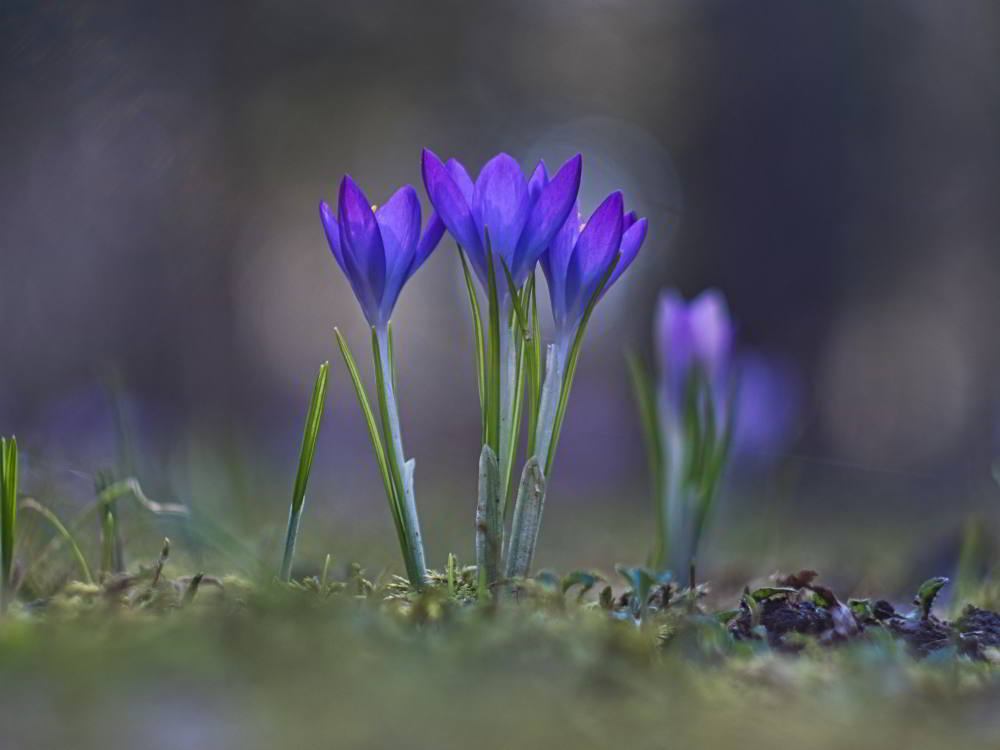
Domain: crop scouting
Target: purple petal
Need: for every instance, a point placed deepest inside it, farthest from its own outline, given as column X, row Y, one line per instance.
column 555, row 263
column 361, row 245
column 538, row 180
column 432, row 236
column 632, row 240
column 674, row 343
column 451, row 205
column 399, row 224
column 500, row 204
column 332, row 230
column 599, row 242
column 461, row 177
column 630, row 218
column 712, row 331
column 548, row 214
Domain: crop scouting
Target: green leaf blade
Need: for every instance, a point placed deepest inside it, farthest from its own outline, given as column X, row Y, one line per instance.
column 307, row 453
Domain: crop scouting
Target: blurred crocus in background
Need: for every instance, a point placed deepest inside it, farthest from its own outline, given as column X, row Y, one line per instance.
column 705, row 405
column 379, row 250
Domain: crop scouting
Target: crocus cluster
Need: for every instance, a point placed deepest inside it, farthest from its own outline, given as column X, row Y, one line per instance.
column 505, row 223
column 707, row 404
column 516, row 217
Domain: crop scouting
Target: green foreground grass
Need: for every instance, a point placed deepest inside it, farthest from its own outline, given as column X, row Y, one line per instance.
column 128, row 665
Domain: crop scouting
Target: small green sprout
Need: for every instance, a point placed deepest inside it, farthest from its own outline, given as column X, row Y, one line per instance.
column 926, row 594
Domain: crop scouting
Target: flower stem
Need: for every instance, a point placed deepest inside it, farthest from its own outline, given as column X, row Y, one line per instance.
column 555, row 372
column 508, row 386
column 416, row 561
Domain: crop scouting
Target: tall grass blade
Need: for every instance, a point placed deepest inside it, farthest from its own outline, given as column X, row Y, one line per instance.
column 534, row 364
column 494, row 357
column 8, row 513
column 477, row 322
column 373, row 435
column 306, row 454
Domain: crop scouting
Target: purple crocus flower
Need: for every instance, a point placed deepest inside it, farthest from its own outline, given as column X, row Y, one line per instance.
column 521, row 216
column 378, row 250
column 579, row 255
column 694, row 335
column 700, row 334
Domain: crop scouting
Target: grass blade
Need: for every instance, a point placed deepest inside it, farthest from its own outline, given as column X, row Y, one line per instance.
column 53, row 519
column 373, row 435
column 477, row 322
column 494, row 360
column 8, row 512
column 520, row 316
column 534, row 365
column 306, row 455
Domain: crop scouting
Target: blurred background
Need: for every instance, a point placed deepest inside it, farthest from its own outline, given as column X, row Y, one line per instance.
column 167, row 294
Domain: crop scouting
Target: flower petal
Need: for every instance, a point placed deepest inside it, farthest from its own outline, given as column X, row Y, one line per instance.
column 399, row 224
column 538, row 180
column 632, row 240
column 674, row 344
column 500, row 204
column 332, row 230
column 555, row 202
column 630, row 218
column 461, row 177
column 599, row 242
column 712, row 331
column 361, row 246
column 555, row 263
column 451, row 205
column 430, row 239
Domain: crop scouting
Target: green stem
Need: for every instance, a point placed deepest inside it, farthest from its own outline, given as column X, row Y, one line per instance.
column 510, row 403
column 555, row 373
column 416, row 562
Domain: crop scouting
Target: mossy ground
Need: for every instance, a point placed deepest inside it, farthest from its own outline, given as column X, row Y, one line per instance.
column 356, row 664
